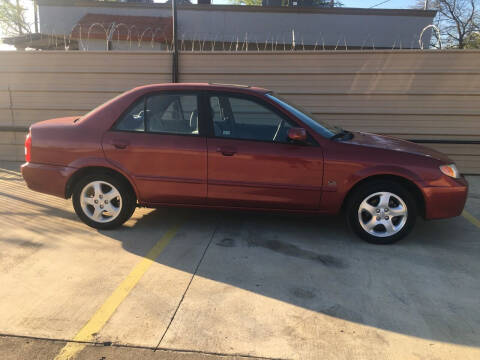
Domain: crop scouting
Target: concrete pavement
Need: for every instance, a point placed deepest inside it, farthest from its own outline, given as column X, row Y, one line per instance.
column 13, row 348
column 235, row 284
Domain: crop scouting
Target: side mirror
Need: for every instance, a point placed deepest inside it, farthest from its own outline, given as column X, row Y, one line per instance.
column 297, row 134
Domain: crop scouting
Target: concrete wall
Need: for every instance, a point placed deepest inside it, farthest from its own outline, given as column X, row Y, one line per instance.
column 330, row 27
column 421, row 95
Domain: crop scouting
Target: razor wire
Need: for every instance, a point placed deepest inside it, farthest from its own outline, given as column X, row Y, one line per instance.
column 121, row 37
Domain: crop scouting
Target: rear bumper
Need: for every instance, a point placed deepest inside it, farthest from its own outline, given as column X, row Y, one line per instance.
column 445, row 201
column 48, row 179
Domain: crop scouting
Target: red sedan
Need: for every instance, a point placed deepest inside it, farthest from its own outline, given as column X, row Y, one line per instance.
column 236, row 147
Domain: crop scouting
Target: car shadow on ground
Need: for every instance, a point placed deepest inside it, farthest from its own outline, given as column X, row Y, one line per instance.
column 425, row 286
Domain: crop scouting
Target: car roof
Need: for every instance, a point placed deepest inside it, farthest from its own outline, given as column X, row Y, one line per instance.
column 203, row 86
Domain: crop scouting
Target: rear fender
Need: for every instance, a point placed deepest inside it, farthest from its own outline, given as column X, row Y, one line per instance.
column 83, row 163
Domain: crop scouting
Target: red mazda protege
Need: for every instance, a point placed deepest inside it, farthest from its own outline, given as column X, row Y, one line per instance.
column 236, row 147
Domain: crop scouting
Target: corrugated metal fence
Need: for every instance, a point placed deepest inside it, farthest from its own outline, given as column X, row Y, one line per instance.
column 427, row 96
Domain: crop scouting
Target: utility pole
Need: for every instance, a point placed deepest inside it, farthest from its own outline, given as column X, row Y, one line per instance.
column 174, row 43
column 425, row 5
column 35, row 15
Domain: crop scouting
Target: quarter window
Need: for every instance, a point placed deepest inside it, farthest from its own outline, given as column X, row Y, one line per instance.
column 133, row 119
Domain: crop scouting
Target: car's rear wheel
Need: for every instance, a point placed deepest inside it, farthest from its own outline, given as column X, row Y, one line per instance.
column 381, row 212
column 103, row 201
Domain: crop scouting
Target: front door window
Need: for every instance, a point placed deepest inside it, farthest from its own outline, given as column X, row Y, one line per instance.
column 240, row 118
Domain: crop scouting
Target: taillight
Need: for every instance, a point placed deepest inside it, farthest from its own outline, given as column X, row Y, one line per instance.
column 28, row 147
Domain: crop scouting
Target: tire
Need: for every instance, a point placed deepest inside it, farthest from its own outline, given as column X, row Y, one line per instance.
column 370, row 208
column 112, row 194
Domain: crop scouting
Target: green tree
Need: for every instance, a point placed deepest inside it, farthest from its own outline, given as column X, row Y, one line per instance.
column 326, row 3
column 247, row 2
column 306, row 3
column 473, row 41
column 13, row 19
column 457, row 20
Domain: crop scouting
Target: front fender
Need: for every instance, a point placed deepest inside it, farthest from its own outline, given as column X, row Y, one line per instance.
column 389, row 170
column 338, row 188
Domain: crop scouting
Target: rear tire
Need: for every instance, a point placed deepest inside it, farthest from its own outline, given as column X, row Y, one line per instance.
column 103, row 201
column 381, row 212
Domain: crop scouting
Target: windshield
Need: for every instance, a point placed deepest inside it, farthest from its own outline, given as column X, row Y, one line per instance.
column 321, row 127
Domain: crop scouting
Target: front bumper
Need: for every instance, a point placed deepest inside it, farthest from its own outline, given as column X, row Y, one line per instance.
column 445, row 201
column 48, row 179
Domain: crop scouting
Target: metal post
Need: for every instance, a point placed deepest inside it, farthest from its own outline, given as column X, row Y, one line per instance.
column 174, row 43
column 35, row 14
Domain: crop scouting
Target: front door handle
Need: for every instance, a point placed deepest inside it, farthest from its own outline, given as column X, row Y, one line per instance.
column 120, row 144
column 226, row 151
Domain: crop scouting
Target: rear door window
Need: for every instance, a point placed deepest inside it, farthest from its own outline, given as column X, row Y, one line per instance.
column 172, row 114
column 169, row 113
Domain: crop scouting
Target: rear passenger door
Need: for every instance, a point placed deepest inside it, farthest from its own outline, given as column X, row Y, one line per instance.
column 158, row 142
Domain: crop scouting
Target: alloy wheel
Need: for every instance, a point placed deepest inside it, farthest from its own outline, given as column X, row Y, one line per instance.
column 101, row 201
column 382, row 214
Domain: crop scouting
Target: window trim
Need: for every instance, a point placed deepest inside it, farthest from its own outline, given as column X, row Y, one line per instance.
column 209, row 118
column 144, row 97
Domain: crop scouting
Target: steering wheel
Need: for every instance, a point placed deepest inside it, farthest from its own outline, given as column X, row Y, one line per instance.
column 279, row 130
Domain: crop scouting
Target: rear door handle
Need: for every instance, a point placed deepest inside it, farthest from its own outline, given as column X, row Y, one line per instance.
column 226, row 151
column 120, row 144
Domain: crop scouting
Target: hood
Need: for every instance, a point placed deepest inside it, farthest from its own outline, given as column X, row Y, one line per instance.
column 395, row 144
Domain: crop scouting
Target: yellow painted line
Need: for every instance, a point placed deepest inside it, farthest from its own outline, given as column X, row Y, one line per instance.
column 471, row 218
column 103, row 314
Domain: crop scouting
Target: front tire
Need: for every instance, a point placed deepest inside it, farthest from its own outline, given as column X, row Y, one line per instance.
column 103, row 201
column 381, row 212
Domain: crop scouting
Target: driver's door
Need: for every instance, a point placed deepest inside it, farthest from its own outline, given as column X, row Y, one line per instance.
column 251, row 162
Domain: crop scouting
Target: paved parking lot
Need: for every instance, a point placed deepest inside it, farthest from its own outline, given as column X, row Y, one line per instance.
column 196, row 284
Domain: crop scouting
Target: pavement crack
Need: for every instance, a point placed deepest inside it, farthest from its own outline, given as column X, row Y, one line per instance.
column 188, row 287
column 131, row 346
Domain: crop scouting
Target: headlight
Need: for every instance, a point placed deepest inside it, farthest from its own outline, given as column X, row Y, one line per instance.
column 450, row 170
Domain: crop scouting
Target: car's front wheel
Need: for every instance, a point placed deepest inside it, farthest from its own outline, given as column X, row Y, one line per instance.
column 381, row 212
column 103, row 201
